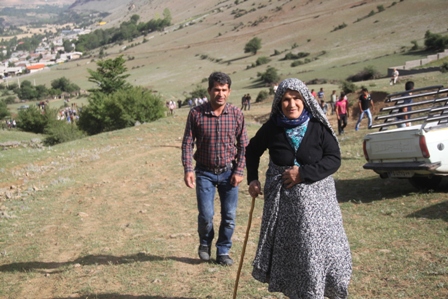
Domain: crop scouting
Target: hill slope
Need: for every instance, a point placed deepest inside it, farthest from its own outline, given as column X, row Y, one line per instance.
column 208, row 36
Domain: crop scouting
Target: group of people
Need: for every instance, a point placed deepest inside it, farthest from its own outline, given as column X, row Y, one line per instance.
column 69, row 114
column 303, row 250
column 245, row 102
column 11, row 124
column 197, row 101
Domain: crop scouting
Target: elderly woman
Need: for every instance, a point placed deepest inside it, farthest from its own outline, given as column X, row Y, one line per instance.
column 303, row 251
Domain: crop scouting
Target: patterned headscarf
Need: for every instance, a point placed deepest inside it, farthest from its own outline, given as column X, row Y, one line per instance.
column 309, row 101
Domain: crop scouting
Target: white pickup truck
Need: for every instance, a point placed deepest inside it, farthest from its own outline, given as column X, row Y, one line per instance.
column 418, row 152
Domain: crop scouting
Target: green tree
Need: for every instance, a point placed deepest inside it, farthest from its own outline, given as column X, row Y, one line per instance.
column 108, row 112
column 3, row 110
column 167, row 16
column 270, row 76
column 64, row 85
column 68, row 47
column 253, row 46
column 199, row 92
column 35, row 120
column 110, row 76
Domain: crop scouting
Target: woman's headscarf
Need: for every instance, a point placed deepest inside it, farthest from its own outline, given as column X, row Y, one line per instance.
column 310, row 103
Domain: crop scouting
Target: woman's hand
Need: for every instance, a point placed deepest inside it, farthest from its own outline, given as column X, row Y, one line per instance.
column 291, row 177
column 255, row 188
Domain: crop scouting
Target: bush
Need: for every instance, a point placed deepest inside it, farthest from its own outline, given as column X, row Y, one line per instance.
column 61, row 131
column 262, row 95
column 262, row 60
column 10, row 100
column 348, row 87
column 3, row 110
column 270, row 76
column 368, row 73
column 34, row 119
column 108, row 112
column 297, row 63
column 444, row 67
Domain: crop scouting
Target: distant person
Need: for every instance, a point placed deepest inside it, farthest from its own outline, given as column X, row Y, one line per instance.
column 364, row 103
column 408, row 87
column 394, row 78
column 313, row 93
column 333, row 100
column 324, row 107
column 171, row 107
column 321, row 95
column 342, row 112
column 179, row 103
column 248, row 99
column 244, row 102
column 217, row 128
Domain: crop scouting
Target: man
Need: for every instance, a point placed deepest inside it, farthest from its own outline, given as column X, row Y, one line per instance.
column 342, row 112
column 408, row 87
column 333, row 100
column 218, row 129
column 394, row 78
column 321, row 95
column 364, row 103
column 244, row 102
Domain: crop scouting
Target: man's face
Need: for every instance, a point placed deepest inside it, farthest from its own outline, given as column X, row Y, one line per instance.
column 219, row 94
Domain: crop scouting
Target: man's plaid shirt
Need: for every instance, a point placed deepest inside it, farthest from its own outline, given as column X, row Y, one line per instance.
column 219, row 139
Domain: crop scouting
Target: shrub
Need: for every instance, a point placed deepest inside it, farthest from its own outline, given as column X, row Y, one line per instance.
column 35, row 120
column 61, row 131
column 3, row 110
column 348, row 87
column 270, row 76
column 368, row 73
column 262, row 60
column 108, row 112
column 296, row 63
column 262, row 95
column 343, row 25
column 444, row 67
column 10, row 99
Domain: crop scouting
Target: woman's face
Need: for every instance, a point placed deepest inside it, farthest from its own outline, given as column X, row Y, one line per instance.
column 292, row 104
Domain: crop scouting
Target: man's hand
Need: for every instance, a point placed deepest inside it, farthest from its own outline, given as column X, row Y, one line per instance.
column 236, row 179
column 255, row 188
column 189, row 179
column 291, row 177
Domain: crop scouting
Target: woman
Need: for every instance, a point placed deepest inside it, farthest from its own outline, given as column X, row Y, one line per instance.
column 303, row 251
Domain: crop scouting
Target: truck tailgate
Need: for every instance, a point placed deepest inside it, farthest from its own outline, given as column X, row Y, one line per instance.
column 397, row 145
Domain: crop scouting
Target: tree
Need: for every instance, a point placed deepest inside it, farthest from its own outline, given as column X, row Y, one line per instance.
column 64, row 85
column 253, row 46
column 108, row 112
column 110, row 76
column 67, row 44
column 3, row 110
column 270, row 76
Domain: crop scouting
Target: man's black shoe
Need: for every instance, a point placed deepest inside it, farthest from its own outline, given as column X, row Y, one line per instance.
column 224, row 260
column 204, row 252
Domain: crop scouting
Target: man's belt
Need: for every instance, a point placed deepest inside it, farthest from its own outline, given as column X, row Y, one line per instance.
column 215, row 170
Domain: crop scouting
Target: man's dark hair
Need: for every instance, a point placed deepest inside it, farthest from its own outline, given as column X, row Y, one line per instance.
column 364, row 89
column 220, row 78
column 409, row 85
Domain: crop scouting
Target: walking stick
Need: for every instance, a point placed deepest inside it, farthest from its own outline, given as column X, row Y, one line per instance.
column 244, row 248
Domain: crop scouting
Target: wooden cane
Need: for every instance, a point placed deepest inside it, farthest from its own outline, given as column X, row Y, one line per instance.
column 244, row 248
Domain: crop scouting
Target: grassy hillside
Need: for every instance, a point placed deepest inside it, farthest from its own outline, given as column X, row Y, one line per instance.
column 109, row 217
column 171, row 63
